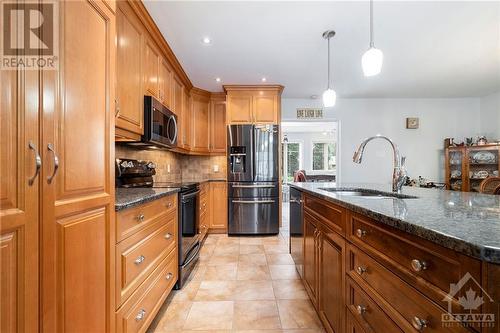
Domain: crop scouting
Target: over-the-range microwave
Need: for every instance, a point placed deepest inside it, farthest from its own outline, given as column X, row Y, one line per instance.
column 160, row 125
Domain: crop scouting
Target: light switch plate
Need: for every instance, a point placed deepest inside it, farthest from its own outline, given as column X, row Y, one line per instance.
column 216, row 168
column 168, row 168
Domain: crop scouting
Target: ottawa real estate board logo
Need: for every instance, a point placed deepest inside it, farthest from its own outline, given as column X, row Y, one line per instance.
column 471, row 296
column 29, row 38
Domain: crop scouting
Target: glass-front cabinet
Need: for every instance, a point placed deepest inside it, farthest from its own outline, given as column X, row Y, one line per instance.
column 467, row 167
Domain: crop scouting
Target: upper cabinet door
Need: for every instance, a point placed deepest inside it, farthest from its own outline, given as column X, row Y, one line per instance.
column 265, row 109
column 78, row 173
column 218, row 126
column 178, row 108
column 186, row 121
column 239, row 108
column 165, row 84
column 151, row 68
column 200, row 123
column 130, row 98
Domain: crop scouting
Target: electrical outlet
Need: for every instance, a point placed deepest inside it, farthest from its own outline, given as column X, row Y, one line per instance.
column 216, row 168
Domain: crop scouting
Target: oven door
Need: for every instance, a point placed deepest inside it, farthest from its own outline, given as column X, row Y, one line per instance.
column 188, row 224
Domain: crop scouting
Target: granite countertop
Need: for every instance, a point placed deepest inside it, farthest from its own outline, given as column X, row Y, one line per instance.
column 130, row 197
column 466, row 222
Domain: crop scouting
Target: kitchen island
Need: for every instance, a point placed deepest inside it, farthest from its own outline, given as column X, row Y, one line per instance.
column 374, row 261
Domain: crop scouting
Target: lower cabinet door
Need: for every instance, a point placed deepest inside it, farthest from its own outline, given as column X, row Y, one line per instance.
column 310, row 256
column 352, row 326
column 331, row 280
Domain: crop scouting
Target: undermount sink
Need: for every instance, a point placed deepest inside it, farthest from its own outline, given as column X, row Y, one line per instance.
column 367, row 193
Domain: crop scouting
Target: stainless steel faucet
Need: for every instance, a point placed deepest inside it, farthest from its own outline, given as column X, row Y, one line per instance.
column 399, row 171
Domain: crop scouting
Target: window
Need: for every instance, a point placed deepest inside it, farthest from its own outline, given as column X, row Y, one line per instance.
column 324, row 154
column 293, row 159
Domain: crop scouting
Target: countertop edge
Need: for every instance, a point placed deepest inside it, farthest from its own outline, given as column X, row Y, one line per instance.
column 480, row 252
column 145, row 199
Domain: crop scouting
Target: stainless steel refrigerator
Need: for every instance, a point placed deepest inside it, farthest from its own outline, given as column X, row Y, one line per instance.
column 253, row 188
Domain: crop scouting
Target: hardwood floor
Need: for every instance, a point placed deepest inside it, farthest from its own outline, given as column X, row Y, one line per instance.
column 240, row 284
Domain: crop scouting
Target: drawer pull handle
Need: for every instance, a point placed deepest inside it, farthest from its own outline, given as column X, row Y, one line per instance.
column 140, row 217
column 360, row 270
column 361, row 309
column 419, row 324
column 139, row 259
column 418, row 265
column 168, row 236
column 360, row 233
column 169, row 276
column 140, row 315
column 169, row 205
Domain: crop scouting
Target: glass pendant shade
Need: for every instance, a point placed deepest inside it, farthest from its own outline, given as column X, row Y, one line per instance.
column 329, row 98
column 372, row 61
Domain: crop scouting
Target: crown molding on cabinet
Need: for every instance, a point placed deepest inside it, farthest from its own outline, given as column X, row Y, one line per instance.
column 242, row 87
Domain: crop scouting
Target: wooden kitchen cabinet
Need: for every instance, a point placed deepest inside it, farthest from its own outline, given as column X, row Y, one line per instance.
column 165, row 85
column 151, row 57
column 130, row 98
column 77, row 177
column 310, row 257
column 258, row 104
column 218, row 131
column 200, row 121
column 186, row 121
column 218, row 206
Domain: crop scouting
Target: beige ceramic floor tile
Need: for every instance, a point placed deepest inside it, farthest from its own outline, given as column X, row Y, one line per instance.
column 216, row 291
column 198, row 272
column 223, row 249
column 289, row 289
column 253, row 272
column 272, row 249
column 251, row 249
column 279, row 259
column 221, row 272
column 225, row 240
column 254, row 259
column 226, row 259
column 207, row 249
column 250, row 240
column 253, row 290
column 256, row 315
column 210, row 316
column 283, row 272
column 187, row 293
column 174, row 318
column 298, row 314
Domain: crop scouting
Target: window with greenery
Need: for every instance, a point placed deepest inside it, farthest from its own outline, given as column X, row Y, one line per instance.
column 293, row 159
column 324, row 156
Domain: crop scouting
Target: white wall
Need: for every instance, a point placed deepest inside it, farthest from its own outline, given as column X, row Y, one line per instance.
column 490, row 116
column 306, row 140
column 360, row 118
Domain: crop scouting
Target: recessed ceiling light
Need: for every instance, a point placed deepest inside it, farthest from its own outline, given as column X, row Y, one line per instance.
column 314, row 96
column 206, row 41
column 263, row 79
column 217, row 79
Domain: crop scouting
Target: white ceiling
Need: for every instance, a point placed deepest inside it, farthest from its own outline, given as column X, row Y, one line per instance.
column 431, row 49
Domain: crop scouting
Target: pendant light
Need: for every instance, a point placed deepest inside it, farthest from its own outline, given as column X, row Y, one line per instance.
column 373, row 58
column 329, row 96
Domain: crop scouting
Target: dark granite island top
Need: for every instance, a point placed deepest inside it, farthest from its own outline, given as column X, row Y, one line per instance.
column 468, row 223
column 130, row 197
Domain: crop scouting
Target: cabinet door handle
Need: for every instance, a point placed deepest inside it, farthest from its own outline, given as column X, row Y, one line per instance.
column 360, row 270
column 361, row 309
column 50, row 147
column 140, row 315
column 117, row 107
column 168, row 236
column 360, row 233
column 169, row 205
column 140, row 217
column 419, row 324
column 169, row 276
column 139, row 259
column 418, row 265
column 38, row 162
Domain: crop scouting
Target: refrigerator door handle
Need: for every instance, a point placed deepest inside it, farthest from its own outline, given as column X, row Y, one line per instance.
column 252, row 202
column 253, row 186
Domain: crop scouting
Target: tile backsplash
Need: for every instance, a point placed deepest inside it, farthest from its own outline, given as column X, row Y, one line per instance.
column 182, row 167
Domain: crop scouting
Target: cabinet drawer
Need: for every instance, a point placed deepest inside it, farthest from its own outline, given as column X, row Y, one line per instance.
column 138, row 255
column 427, row 266
column 134, row 219
column 413, row 307
column 352, row 325
column 139, row 311
column 333, row 215
column 367, row 312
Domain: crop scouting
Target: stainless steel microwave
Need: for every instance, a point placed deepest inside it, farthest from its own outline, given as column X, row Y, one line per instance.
column 160, row 125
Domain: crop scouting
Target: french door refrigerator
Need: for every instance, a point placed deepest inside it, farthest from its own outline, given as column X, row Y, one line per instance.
column 253, row 187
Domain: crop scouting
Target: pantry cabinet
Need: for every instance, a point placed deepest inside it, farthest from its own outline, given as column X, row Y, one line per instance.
column 129, row 95
column 257, row 104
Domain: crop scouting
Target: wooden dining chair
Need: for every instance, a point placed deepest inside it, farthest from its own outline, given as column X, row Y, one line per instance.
column 490, row 185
